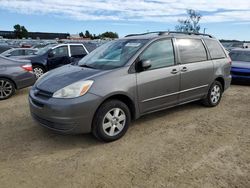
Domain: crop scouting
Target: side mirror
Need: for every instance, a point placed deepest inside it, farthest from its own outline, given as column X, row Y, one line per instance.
column 7, row 55
column 145, row 64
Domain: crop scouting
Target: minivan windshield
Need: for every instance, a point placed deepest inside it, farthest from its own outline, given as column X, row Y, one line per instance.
column 113, row 54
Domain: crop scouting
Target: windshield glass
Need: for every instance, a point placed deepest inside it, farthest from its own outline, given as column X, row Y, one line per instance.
column 113, row 54
column 44, row 50
column 240, row 56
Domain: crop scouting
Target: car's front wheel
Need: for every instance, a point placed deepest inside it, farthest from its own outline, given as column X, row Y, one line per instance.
column 111, row 120
column 7, row 88
column 214, row 95
column 38, row 70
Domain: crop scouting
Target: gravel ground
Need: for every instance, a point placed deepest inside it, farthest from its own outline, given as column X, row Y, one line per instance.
column 186, row 146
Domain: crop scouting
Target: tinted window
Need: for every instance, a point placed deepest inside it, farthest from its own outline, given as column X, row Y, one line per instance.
column 215, row 49
column 16, row 53
column 60, row 51
column 77, row 50
column 191, row 50
column 240, row 56
column 160, row 54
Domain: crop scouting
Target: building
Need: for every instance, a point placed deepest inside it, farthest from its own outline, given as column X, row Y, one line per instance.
column 36, row 35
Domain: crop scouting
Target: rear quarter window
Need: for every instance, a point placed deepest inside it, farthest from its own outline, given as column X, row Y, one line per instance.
column 215, row 49
column 191, row 50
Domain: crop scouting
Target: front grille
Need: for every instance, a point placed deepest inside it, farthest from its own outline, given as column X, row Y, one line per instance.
column 37, row 103
column 42, row 93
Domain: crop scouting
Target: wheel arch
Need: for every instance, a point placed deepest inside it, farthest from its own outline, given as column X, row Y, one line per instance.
column 40, row 65
column 222, row 81
column 10, row 79
column 125, row 99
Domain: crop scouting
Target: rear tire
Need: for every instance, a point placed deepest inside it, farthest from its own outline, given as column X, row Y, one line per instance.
column 38, row 71
column 7, row 88
column 214, row 95
column 111, row 121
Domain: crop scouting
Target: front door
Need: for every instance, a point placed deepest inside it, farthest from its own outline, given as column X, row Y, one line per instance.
column 58, row 56
column 158, row 86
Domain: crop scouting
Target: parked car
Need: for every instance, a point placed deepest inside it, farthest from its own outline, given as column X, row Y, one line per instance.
column 3, row 48
column 14, row 75
column 54, row 56
column 17, row 52
column 240, row 64
column 130, row 77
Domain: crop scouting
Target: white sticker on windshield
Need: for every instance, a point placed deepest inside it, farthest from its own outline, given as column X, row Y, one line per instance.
column 130, row 44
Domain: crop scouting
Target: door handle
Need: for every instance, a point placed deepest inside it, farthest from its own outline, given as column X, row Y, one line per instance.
column 184, row 69
column 174, row 71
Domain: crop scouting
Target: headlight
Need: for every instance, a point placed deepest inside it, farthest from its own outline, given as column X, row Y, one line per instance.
column 74, row 90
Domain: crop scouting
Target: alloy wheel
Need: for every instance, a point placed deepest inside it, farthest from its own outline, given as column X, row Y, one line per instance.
column 38, row 72
column 215, row 94
column 114, row 122
column 6, row 89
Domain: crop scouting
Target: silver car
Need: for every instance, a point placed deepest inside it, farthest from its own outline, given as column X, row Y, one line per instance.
column 19, row 52
column 130, row 77
column 14, row 75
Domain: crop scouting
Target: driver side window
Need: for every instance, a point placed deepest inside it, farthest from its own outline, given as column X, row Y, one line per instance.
column 160, row 54
column 60, row 51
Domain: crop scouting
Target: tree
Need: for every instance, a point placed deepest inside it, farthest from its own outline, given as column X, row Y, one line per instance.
column 81, row 34
column 20, row 31
column 87, row 34
column 109, row 34
column 191, row 24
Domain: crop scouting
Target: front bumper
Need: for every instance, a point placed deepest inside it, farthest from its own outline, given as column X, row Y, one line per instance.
column 240, row 73
column 71, row 116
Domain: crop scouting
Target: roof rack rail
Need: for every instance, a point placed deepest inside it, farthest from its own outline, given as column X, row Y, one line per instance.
column 170, row 32
column 189, row 33
column 131, row 35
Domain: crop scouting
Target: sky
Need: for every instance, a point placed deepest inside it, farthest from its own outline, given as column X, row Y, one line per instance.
column 225, row 19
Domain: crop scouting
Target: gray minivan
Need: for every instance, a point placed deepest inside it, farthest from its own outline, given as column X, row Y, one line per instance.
column 130, row 77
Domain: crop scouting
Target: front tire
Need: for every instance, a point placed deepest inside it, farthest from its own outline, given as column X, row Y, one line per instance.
column 111, row 121
column 38, row 71
column 214, row 95
column 7, row 88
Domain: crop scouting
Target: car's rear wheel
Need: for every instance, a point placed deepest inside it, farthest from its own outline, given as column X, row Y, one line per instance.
column 111, row 120
column 214, row 95
column 38, row 70
column 7, row 88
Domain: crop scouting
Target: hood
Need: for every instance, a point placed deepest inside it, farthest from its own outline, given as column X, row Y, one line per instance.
column 241, row 64
column 64, row 76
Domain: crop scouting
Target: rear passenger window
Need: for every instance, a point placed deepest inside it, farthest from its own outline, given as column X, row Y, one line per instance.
column 160, row 54
column 16, row 52
column 77, row 50
column 215, row 49
column 191, row 50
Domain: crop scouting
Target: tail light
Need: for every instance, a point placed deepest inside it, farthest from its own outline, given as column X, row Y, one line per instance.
column 230, row 61
column 27, row 67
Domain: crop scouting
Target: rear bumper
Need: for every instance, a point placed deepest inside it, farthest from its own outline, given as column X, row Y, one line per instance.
column 69, row 116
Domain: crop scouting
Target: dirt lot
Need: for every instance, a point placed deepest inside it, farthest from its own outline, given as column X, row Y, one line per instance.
column 187, row 146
